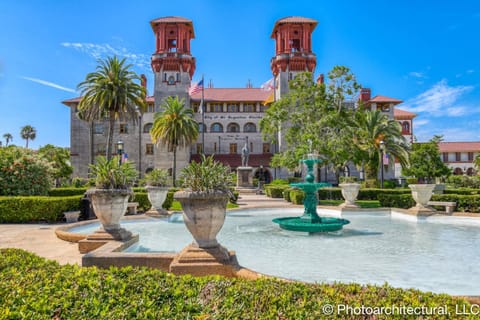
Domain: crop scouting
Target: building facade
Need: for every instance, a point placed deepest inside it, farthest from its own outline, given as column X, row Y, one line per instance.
column 460, row 156
column 228, row 118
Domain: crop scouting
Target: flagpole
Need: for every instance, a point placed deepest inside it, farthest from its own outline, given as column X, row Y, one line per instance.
column 202, row 105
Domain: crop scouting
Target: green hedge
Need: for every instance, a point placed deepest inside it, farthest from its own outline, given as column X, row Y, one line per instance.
column 36, row 288
column 65, row 192
column 465, row 203
column 297, row 196
column 275, row 191
column 403, row 201
column 465, row 191
column 35, row 209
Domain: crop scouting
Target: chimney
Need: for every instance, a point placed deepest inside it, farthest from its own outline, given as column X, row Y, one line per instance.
column 365, row 94
column 321, row 79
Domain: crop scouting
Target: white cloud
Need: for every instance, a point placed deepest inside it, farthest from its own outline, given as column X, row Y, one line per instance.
column 469, row 71
column 421, row 122
column 416, row 74
column 48, row 84
column 101, row 51
column 439, row 100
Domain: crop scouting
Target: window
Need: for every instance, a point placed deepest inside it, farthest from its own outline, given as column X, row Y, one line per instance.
column 263, row 108
column 458, row 156
column 445, row 156
column 199, row 148
column 150, row 107
column 249, row 108
column 405, row 127
column 216, row 107
column 195, row 106
column 470, row 156
column 149, row 148
column 172, row 45
column 233, row 148
column 251, row 147
column 123, row 128
column 295, row 45
column 202, row 128
column 266, row 148
column 216, row 127
column 215, row 147
column 250, row 127
column 233, row 127
column 171, row 80
column 98, row 128
column 178, row 77
column 234, row 107
column 147, row 127
column 385, row 108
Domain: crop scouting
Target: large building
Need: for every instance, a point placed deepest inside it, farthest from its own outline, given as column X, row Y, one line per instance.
column 459, row 156
column 228, row 119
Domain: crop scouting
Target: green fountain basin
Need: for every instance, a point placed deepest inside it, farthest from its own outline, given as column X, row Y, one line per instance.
column 326, row 224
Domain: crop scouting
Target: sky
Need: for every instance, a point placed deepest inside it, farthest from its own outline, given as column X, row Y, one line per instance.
column 425, row 53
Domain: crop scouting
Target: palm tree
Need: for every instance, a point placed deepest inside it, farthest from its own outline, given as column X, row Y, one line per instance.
column 111, row 93
column 369, row 129
column 28, row 133
column 174, row 127
column 8, row 137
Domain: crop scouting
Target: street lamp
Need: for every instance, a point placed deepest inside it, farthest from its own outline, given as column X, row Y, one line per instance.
column 382, row 150
column 120, row 151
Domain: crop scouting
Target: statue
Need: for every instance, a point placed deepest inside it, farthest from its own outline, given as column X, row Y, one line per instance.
column 245, row 155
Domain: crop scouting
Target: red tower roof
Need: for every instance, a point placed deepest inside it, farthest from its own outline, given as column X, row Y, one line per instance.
column 233, row 94
column 172, row 19
column 400, row 114
column 385, row 99
column 292, row 19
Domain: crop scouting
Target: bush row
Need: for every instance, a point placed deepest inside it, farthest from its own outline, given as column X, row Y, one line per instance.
column 36, row 208
column 465, row 203
column 35, row 288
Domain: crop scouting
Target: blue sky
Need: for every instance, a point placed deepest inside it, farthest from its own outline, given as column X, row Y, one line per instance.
column 425, row 53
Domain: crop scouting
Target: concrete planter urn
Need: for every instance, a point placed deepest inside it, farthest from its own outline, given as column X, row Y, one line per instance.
column 204, row 215
column 71, row 216
column 157, row 196
column 110, row 206
column 421, row 193
column 349, row 193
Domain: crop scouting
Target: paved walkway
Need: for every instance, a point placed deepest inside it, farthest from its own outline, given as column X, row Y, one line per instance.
column 41, row 238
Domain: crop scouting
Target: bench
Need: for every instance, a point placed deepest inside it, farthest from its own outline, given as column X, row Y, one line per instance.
column 132, row 208
column 449, row 206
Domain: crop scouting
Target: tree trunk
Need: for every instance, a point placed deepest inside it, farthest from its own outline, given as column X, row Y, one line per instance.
column 174, row 175
column 111, row 126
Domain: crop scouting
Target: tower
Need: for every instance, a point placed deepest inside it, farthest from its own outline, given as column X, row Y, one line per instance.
column 173, row 67
column 293, row 50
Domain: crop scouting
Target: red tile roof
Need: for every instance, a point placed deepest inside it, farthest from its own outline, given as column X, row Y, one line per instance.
column 459, row 146
column 68, row 102
column 235, row 160
column 400, row 114
column 385, row 99
column 293, row 19
column 172, row 19
column 232, row 94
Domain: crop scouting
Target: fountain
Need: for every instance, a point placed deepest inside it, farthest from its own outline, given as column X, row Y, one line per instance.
column 310, row 221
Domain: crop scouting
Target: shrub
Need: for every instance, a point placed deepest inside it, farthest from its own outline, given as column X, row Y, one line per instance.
column 53, row 291
column 23, row 173
column 66, row 192
column 156, row 177
column 142, row 199
column 286, row 194
column 465, row 203
column 403, row 201
column 297, row 196
column 275, row 191
column 278, row 182
column 35, row 209
column 111, row 174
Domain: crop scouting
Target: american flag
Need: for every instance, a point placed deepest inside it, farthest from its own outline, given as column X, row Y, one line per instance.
column 385, row 159
column 268, row 85
column 196, row 88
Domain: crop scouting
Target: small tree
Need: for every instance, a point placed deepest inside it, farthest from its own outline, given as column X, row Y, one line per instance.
column 59, row 159
column 28, row 133
column 23, row 173
column 425, row 162
column 8, row 137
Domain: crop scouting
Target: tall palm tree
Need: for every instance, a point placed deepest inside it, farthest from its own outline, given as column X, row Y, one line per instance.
column 369, row 129
column 28, row 133
column 8, row 137
column 111, row 92
column 175, row 126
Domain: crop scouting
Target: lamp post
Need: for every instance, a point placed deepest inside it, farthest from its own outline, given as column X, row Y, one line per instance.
column 120, row 151
column 382, row 150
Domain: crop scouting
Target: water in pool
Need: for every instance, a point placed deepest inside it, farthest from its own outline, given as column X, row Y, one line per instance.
column 440, row 255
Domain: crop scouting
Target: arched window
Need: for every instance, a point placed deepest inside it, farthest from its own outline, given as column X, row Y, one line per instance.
column 470, row 172
column 458, row 171
column 147, row 127
column 202, row 127
column 405, row 127
column 216, row 127
column 233, row 127
column 250, row 127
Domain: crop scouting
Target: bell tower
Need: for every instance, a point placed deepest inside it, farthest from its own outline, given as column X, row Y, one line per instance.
column 293, row 50
column 172, row 62
column 173, row 67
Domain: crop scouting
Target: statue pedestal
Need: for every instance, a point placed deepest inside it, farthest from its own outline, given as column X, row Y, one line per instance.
column 245, row 177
